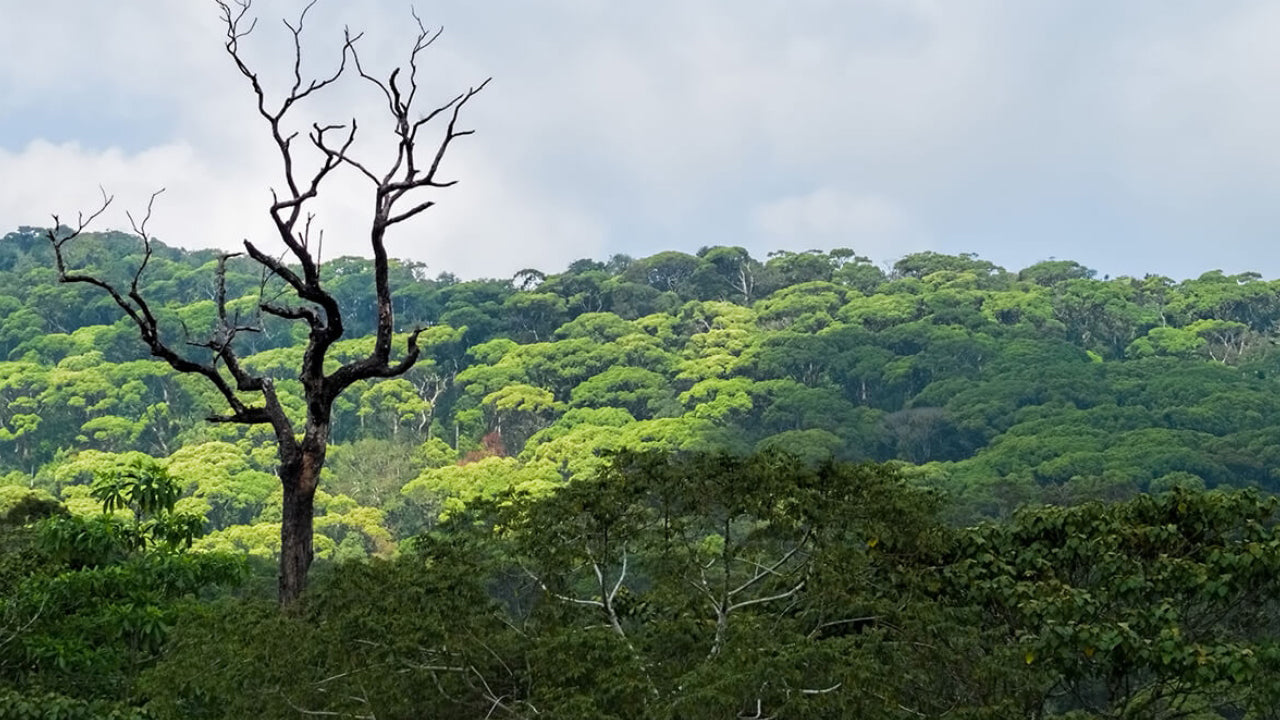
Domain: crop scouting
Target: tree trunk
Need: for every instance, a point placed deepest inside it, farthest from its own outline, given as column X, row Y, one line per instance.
column 296, row 534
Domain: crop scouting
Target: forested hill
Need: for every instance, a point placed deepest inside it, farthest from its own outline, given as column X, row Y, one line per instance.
column 998, row 386
column 461, row 574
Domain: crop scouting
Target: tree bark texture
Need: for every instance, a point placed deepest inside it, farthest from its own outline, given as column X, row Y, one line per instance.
column 297, row 535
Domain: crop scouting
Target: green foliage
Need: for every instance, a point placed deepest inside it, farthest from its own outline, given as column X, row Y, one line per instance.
column 946, row 359
column 451, row 487
column 228, row 481
column 20, row 505
column 88, row 600
column 423, row 645
column 51, row 706
column 509, row 442
column 1135, row 610
column 495, row 612
column 705, row 586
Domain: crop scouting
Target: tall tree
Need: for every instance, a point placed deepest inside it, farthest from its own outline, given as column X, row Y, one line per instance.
column 421, row 142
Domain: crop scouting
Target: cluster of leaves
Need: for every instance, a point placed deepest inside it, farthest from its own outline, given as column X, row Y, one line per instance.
column 86, row 602
column 16, row 706
column 1163, row 606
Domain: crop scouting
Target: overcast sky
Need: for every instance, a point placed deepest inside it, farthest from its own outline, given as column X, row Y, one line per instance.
column 1135, row 137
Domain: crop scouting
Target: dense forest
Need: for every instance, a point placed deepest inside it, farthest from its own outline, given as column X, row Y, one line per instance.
column 680, row 486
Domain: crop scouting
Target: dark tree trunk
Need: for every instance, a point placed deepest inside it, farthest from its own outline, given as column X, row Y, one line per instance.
column 299, row 480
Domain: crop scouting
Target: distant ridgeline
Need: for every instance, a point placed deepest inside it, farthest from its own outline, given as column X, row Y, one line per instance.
column 998, row 387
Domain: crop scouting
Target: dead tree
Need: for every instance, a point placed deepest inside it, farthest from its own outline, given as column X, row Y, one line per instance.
column 422, row 140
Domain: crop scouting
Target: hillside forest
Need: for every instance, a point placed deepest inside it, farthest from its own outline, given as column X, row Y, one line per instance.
column 678, row 486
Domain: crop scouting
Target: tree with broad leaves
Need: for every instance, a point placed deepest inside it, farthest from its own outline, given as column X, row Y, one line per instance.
column 251, row 397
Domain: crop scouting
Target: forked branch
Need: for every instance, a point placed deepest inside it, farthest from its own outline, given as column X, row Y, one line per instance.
column 137, row 309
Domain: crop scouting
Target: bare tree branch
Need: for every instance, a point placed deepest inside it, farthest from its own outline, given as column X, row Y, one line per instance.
column 415, row 165
column 139, row 311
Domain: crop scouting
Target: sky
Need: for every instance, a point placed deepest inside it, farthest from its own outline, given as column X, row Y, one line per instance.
column 1136, row 137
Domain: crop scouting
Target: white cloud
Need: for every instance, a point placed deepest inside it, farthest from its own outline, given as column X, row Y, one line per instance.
column 872, row 224
column 492, row 224
column 1196, row 109
column 64, row 179
column 1007, row 128
column 216, row 160
column 486, row 225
